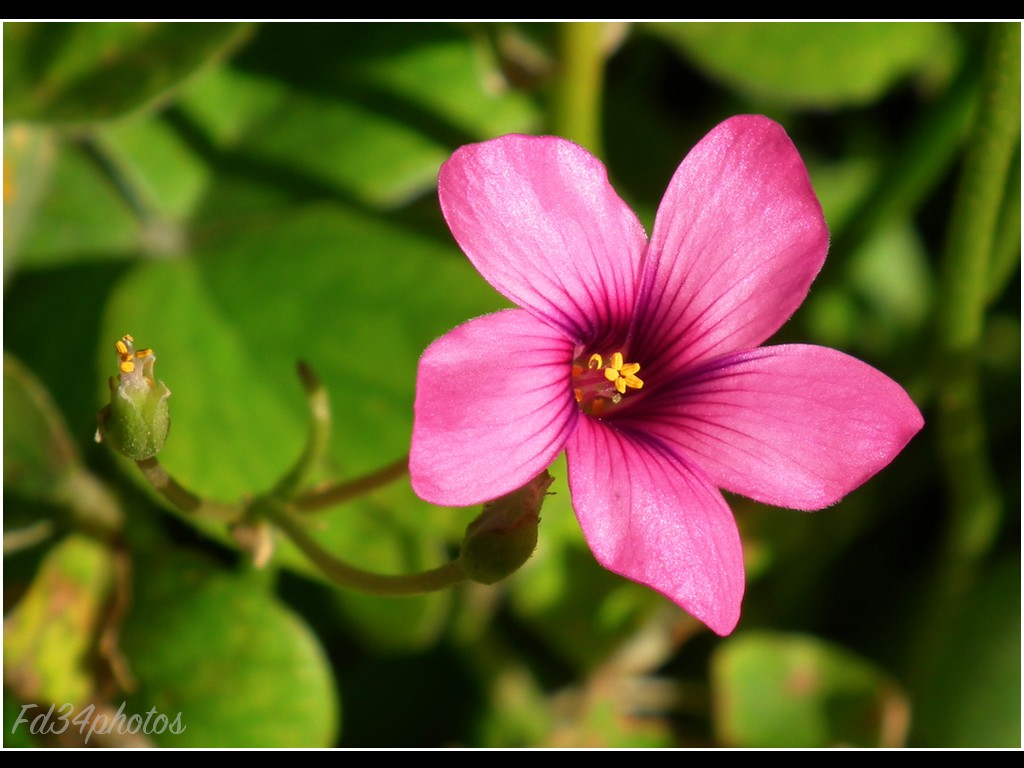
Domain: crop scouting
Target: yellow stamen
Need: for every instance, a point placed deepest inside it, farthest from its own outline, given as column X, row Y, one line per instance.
column 622, row 374
column 597, row 386
column 122, row 348
column 127, row 366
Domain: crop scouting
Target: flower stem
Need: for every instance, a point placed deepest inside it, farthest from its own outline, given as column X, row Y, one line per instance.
column 350, row 577
column 968, row 255
column 975, row 504
column 319, row 433
column 182, row 498
column 576, row 110
column 340, row 492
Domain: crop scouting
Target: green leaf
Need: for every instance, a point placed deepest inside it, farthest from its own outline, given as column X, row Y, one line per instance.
column 29, row 155
column 355, row 298
column 166, row 177
column 18, row 734
column 779, row 690
column 358, row 300
column 221, row 653
column 83, row 72
column 972, row 698
column 50, row 636
column 39, row 454
column 80, row 214
column 816, row 65
column 366, row 112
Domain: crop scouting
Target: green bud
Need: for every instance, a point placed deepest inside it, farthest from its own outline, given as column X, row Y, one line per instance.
column 504, row 536
column 136, row 421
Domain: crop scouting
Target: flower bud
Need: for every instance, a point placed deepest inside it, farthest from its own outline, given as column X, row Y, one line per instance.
column 136, row 421
column 504, row 536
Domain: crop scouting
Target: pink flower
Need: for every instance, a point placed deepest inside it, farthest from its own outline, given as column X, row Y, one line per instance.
column 642, row 359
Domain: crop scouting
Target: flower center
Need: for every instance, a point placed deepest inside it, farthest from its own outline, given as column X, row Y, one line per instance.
column 598, row 386
column 129, row 360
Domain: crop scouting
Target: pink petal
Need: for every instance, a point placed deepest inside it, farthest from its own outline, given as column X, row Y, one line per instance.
column 737, row 241
column 796, row 426
column 494, row 407
column 539, row 220
column 647, row 516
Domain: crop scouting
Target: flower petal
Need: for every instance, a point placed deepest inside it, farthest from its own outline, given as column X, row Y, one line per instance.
column 539, row 220
column 796, row 425
column 494, row 406
column 647, row 516
column 737, row 241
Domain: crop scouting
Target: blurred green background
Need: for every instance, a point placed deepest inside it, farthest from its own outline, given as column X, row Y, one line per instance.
column 239, row 197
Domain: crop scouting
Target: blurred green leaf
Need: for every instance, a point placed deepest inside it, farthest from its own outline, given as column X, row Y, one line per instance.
column 166, row 177
column 29, row 155
column 49, row 637
column 816, row 64
column 80, row 215
column 972, row 699
column 18, row 735
column 368, row 111
column 219, row 649
column 885, row 298
column 39, row 455
column 81, row 72
column 440, row 69
column 358, row 151
column 778, row 690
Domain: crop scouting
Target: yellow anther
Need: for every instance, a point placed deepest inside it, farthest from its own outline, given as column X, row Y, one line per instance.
column 122, row 348
column 129, row 338
column 147, row 352
column 126, row 366
column 623, row 374
column 597, row 386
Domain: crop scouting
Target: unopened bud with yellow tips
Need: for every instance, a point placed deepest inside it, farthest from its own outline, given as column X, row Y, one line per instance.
column 504, row 536
column 136, row 421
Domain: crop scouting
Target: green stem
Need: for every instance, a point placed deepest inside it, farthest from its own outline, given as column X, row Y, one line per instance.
column 1006, row 252
column 576, row 110
column 963, row 297
column 979, row 195
column 183, row 499
column 319, row 433
column 975, row 505
column 350, row 577
column 341, row 492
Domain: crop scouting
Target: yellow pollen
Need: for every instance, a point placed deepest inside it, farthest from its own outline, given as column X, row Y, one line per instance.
column 143, row 353
column 623, row 374
column 598, row 386
column 127, row 366
column 122, row 348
